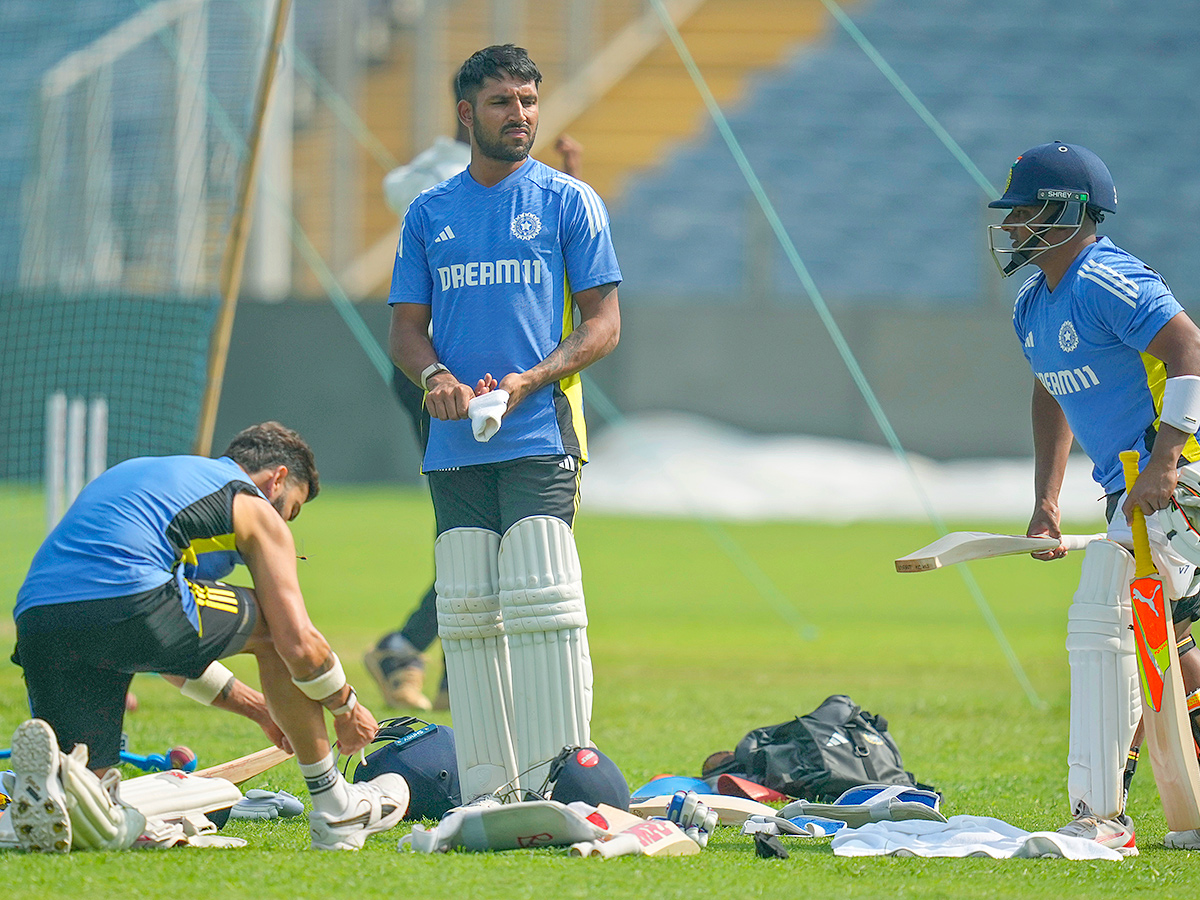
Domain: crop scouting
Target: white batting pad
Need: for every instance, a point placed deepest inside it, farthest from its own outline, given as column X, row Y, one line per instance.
column 176, row 795
column 1105, row 700
column 469, row 624
column 99, row 821
column 541, row 596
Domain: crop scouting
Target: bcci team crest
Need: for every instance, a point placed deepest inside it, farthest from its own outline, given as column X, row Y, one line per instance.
column 526, row 226
column 1008, row 183
column 1068, row 339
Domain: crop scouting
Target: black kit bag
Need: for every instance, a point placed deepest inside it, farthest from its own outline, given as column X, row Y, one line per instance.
column 821, row 755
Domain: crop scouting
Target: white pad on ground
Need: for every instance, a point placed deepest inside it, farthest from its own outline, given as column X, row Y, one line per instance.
column 1105, row 700
column 541, row 597
column 472, row 633
column 98, row 820
column 534, row 823
column 176, row 794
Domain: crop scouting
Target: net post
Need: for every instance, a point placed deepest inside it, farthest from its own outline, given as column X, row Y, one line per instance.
column 76, row 438
column 56, row 456
column 97, row 437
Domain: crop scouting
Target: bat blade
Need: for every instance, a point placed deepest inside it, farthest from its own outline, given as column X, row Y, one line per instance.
column 964, row 546
column 1164, row 709
column 617, row 820
column 1152, row 621
column 246, row 767
column 657, row 837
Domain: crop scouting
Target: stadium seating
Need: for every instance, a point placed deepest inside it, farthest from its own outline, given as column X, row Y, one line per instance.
column 877, row 207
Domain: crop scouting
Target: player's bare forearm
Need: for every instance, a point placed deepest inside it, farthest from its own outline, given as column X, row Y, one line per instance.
column 266, row 546
column 595, row 336
column 238, row 697
column 412, row 351
column 1052, row 438
column 1154, row 486
column 409, row 345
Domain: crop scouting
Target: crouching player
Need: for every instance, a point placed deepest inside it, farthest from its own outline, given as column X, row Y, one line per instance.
column 109, row 594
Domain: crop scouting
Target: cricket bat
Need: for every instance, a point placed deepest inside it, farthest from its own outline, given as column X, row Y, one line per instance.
column 1164, row 709
column 246, row 767
column 964, row 546
column 646, row 837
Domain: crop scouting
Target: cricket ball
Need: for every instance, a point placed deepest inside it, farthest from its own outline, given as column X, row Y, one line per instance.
column 182, row 758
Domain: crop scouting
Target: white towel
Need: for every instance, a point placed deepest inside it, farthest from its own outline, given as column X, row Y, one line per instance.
column 963, row 836
column 486, row 411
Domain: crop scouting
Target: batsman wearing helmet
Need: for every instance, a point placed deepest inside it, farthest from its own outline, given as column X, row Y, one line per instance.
column 1116, row 365
column 499, row 258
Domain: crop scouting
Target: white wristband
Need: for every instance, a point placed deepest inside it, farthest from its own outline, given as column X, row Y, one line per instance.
column 429, row 371
column 1181, row 403
column 326, row 684
column 347, row 707
column 209, row 685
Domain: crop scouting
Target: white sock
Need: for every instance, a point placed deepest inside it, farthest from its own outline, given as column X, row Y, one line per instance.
column 326, row 785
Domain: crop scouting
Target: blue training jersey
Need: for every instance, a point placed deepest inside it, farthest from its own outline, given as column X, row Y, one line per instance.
column 1086, row 343
column 498, row 266
column 137, row 526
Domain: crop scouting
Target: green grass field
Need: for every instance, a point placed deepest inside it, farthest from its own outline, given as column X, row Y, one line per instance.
column 690, row 652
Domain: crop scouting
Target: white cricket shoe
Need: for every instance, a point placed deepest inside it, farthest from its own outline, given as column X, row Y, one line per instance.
column 374, row 806
column 1115, row 833
column 39, row 810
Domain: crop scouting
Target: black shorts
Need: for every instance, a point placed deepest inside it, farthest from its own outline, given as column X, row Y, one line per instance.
column 80, row 657
column 496, row 495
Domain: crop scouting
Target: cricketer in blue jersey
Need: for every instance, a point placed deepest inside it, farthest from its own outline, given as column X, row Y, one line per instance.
column 1116, row 360
column 497, row 269
column 512, row 264
column 1088, row 341
column 116, row 589
column 1116, row 364
column 397, row 661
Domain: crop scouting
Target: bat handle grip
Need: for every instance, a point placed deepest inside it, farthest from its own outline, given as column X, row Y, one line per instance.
column 1141, row 538
column 1078, row 541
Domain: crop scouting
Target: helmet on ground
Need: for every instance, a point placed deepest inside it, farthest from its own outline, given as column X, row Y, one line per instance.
column 424, row 755
column 586, row 774
column 1063, row 179
column 1181, row 517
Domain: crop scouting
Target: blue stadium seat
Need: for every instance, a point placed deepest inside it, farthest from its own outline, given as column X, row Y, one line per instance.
column 877, row 206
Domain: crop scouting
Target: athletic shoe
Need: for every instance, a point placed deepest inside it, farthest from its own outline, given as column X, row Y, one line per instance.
column 400, row 677
column 1183, row 840
column 374, row 806
column 39, row 809
column 1115, row 833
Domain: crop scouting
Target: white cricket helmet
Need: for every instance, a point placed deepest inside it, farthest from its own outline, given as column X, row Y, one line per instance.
column 1181, row 517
